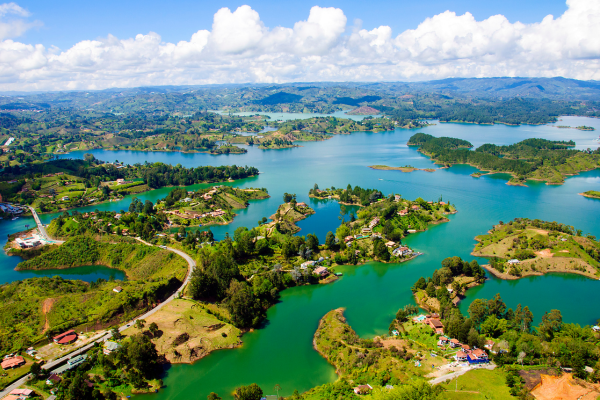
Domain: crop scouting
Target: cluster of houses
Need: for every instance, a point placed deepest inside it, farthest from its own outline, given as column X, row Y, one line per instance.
column 197, row 215
column 465, row 352
column 320, row 270
column 10, row 209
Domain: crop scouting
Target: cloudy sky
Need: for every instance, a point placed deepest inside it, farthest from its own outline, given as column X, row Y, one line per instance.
column 97, row 45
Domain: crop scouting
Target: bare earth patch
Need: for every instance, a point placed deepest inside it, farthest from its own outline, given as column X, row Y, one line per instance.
column 46, row 307
column 545, row 253
column 564, row 388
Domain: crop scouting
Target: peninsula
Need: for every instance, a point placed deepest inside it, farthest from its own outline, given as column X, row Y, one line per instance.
column 531, row 159
column 592, row 194
column 525, row 247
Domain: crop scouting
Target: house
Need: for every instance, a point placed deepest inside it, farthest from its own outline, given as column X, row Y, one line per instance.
column 321, row 271
column 443, row 341
column 596, row 328
column 118, row 289
column 478, row 355
column 454, row 343
column 366, row 230
column 436, row 325
column 31, row 351
column 513, row 261
column 461, row 356
column 302, row 204
column 22, row 392
column 390, row 244
column 65, row 198
column 397, row 197
column 363, row 389
column 13, row 362
column 187, row 199
column 466, row 347
column 374, row 222
column 402, row 251
column 306, row 264
column 118, row 216
column 349, row 239
column 404, row 212
column 489, row 344
column 53, row 379
column 415, row 207
column 66, row 337
column 120, row 181
column 110, row 347
column 207, row 196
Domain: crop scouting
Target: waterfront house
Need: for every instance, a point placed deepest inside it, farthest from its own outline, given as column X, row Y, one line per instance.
column 321, row 271
column 13, row 362
column 596, row 328
column 363, row 389
column 66, row 337
column 397, row 197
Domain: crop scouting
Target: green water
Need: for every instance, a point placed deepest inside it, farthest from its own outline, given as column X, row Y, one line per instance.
column 281, row 352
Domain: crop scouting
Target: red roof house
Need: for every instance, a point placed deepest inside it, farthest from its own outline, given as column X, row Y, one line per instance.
column 13, row 362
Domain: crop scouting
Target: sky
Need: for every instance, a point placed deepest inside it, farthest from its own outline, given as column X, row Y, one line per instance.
column 65, row 45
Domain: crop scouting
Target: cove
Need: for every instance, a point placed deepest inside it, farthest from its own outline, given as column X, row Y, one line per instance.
column 281, row 352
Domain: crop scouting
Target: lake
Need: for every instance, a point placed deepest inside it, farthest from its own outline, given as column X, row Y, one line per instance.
column 281, row 353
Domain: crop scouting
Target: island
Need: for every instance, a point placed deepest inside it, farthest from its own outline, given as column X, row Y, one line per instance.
column 406, row 168
column 525, row 247
column 592, row 194
column 523, row 160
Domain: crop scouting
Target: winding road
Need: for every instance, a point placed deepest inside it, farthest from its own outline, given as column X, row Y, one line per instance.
column 103, row 336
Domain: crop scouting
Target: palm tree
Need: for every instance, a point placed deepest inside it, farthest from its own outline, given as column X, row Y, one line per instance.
column 277, row 388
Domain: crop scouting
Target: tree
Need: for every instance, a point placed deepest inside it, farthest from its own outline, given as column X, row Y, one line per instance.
column 478, row 311
column 243, row 306
column 551, row 324
column 142, row 355
column 35, row 370
column 115, row 334
column 341, row 232
column 312, row 242
column 213, row 396
column 430, row 290
column 153, row 328
column 250, row 392
column 287, row 197
column 140, row 323
column 330, row 240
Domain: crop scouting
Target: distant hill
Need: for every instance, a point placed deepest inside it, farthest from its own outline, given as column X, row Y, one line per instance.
column 364, row 110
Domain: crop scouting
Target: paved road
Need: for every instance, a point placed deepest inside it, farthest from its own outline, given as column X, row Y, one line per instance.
column 103, row 336
column 41, row 227
column 456, row 374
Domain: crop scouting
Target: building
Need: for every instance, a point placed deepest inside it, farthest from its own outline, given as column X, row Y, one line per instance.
column 53, row 379
column 489, row 344
column 404, row 212
column 436, row 325
column 22, row 392
column 118, row 289
column 13, row 362
column 477, row 356
column 302, row 204
column 71, row 364
column 415, row 207
column 513, row 261
column 454, row 343
column 402, row 251
column 390, row 244
column 306, row 264
column 443, row 341
column 110, row 347
column 596, row 328
column 363, row 389
column 321, row 271
column 66, row 337
column 461, row 356
column 466, row 347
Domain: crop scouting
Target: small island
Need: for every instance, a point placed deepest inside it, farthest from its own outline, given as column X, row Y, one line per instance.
column 592, row 194
column 406, row 168
column 525, row 247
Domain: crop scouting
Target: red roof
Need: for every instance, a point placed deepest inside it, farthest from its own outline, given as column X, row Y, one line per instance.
column 454, row 340
column 58, row 337
column 13, row 362
column 461, row 354
column 67, row 339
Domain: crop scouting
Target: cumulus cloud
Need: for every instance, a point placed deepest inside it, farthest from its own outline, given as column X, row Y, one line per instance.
column 12, row 22
column 240, row 48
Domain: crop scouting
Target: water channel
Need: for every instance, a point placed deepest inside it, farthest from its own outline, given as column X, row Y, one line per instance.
column 281, row 352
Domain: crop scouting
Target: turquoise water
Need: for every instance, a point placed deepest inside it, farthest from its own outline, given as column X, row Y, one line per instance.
column 281, row 352
column 292, row 116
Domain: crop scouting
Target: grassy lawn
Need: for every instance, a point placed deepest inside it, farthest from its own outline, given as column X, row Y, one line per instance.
column 10, row 375
column 487, row 384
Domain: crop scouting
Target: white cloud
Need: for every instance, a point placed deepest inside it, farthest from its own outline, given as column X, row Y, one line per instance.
column 240, row 48
column 12, row 24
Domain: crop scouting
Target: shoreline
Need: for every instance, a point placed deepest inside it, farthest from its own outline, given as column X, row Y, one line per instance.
column 507, row 277
column 589, row 196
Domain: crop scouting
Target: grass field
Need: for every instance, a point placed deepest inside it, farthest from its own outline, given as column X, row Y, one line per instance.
column 205, row 332
column 478, row 384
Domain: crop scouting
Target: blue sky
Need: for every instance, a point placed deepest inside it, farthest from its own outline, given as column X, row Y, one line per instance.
column 70, row 44
column 67, row 22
